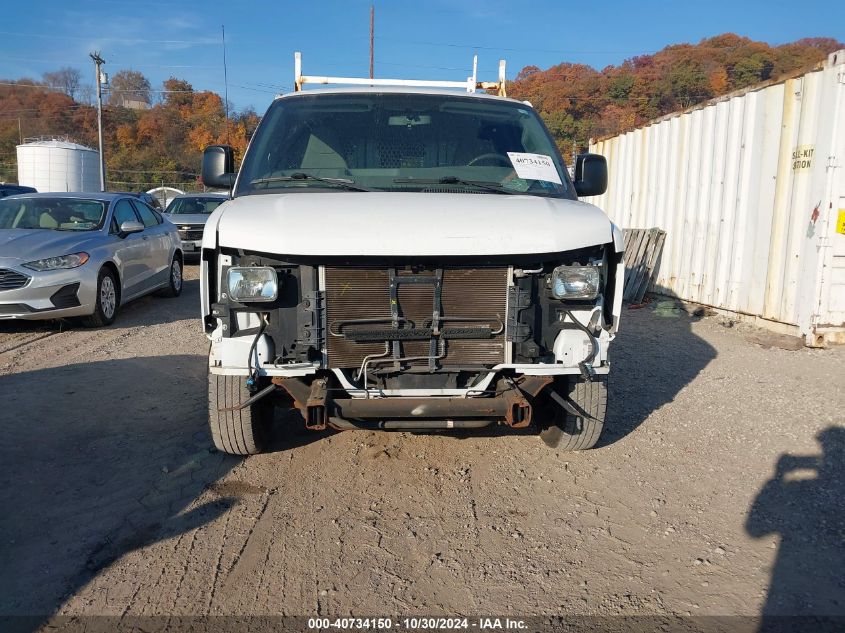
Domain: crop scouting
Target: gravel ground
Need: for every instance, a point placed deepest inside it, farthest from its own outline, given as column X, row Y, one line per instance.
column 718, row 488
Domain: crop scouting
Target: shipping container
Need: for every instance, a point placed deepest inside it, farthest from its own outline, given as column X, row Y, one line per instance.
column 750, row 189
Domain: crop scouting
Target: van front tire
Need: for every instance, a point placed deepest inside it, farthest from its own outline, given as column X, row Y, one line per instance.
column 240, row 431
column 567, row 431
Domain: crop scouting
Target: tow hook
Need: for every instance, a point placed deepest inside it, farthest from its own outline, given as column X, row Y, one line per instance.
column 587, row 371
column 316, row 408
column 264, row 392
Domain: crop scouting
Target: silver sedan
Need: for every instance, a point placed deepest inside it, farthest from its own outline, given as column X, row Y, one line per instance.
column 83, row 255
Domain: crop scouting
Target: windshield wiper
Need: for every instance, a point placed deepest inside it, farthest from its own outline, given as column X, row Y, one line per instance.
column 495, row 187
column 346, row 183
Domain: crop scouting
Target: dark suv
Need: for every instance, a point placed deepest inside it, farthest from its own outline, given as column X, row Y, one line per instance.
column 13, row 190
column 146, row 197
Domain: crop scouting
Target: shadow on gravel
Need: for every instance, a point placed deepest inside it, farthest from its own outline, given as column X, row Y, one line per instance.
column 654, row 356
column 97, row 460
column 804, row 503
column 146, row 310
column 289, row 432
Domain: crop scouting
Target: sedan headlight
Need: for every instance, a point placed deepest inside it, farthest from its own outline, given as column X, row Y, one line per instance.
column 74, row 260
column 254, row 283
column 575, row 282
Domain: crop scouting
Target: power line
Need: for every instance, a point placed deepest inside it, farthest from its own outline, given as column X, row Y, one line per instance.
column 122, row 40
column 22, row 112
column 9, row 83
column 637, row 53
column 513, row 50
column 155, row 171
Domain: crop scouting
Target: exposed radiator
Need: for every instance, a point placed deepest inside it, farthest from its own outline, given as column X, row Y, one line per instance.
column 477, row 295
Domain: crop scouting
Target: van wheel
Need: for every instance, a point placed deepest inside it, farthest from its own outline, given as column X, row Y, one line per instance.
column 108, row 300
column 243, row 431
column 567, row 431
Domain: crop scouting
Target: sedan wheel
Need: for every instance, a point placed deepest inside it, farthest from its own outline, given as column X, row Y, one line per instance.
column 108, row 299
column 174, row 287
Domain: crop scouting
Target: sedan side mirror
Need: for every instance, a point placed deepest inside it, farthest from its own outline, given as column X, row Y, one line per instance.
column 129, row 227
column 590, row 175
column 218, row 166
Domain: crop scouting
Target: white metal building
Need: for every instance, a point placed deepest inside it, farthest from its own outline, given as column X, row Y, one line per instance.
column 58, row 166
column 750, row 188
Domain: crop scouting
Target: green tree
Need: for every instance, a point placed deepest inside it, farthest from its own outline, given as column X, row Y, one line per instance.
column 750, row 70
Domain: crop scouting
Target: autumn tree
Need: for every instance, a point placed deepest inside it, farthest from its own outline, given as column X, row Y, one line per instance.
column 129, row 85
column 65, row 80
column 578, row 102
column 164, row 143
column 177, row 92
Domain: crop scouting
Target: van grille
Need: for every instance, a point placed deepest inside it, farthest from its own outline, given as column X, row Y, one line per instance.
column 478, row 295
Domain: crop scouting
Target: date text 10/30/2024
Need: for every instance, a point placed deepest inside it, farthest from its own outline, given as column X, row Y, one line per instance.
column 412, row 624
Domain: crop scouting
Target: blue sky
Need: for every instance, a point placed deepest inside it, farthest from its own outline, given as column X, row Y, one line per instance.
column 423, row 40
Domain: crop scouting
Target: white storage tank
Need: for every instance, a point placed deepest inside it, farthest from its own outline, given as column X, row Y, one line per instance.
column 58, row 166
column 750, row 189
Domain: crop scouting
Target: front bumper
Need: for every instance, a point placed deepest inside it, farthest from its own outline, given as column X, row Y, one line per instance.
column 512, row 403
column 51, row 294
column 191, row 247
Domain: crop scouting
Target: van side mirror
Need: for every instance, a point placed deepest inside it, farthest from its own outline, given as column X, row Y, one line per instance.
column 590, row 175
column 218, row 166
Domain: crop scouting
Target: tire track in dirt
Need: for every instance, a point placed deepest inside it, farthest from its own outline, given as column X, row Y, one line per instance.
column 15, row 341
column 147, row 326
column 652, row 522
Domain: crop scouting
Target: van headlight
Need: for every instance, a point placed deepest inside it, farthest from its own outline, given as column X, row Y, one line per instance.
column 252, row 283
column 575, row 282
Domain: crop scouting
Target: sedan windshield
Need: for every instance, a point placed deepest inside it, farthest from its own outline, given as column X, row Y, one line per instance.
column 58, row 214
column 184, row 206
column 402, row 142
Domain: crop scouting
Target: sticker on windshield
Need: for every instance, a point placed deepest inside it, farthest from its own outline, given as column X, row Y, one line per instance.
column 534, row 167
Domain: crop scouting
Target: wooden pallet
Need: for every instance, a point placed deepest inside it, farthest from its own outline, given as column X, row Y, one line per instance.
column 642, row 254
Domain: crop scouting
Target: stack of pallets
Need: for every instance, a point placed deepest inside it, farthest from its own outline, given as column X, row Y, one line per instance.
column 642, row 257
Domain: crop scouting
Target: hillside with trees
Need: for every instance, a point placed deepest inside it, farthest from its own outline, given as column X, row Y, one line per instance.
column 149, row 145
column 578, row 102
column 160, row 144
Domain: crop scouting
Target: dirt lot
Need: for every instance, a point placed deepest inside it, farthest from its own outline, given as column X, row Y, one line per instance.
column 718, row 489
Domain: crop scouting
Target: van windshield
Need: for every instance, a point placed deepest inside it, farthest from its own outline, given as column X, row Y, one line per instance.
column 402, row 142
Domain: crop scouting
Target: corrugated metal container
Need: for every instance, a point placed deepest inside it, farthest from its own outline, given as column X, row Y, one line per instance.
column 750, row 189
column 58, row 166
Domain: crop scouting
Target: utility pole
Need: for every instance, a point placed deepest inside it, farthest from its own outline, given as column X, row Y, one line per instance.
column 225, row 83
column 99, row 61
column 372, row 38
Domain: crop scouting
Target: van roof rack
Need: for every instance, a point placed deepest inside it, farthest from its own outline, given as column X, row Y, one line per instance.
column 471, row 84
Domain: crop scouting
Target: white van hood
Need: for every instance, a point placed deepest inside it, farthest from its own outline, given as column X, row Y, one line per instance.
column 405, row 224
